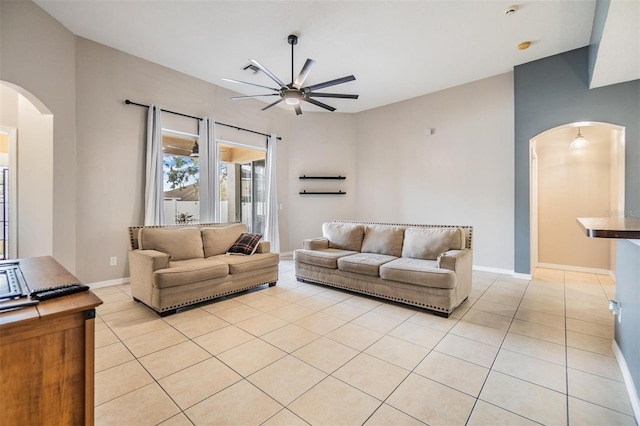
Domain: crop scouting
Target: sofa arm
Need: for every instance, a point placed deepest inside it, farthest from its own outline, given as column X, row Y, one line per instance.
column 151, row 260
column 453, row 258
column 142, row 265
column 461, row 262
column 315, row 243
column 263, row 247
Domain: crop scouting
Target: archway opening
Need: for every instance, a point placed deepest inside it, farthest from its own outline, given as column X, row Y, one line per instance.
column 568, row 181
column 28, row 124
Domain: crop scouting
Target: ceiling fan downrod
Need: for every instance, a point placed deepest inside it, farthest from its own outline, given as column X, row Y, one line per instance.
column 292, row 40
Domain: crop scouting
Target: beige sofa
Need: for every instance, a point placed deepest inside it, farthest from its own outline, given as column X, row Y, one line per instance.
column 174, row 266
column 428, row 266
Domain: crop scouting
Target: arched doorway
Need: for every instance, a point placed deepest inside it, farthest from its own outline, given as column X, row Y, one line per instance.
column 568, row 182
column 28, row 124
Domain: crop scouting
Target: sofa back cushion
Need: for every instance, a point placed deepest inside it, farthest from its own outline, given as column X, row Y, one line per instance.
column 219, row 240
column 179, row 243
column 429, row 243
column 344, row 236
column 380, row 239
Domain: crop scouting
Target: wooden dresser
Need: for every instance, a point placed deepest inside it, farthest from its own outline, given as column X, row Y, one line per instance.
column 47, row 353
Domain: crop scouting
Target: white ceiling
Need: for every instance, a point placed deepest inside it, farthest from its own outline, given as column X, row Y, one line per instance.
column 396, row 49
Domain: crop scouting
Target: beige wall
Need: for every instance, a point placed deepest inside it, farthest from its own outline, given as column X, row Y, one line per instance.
column 320, row 144
column 460, row 175
column 571, row 184
column 38, row 55
column 111, row 140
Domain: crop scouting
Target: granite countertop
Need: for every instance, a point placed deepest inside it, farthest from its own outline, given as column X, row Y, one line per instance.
column 611, row 227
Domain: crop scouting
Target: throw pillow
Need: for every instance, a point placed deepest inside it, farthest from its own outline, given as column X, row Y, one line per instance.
column 381, row 239
column 218, row 240
column 246, row 244
column 179, row 243
column 343, row 236
column 429, row 243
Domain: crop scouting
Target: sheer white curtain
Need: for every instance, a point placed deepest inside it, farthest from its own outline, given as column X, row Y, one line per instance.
column 271, row 232
column 154, row 191
column 208, row 172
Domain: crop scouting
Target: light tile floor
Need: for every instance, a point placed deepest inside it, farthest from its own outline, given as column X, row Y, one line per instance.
column 516, row 352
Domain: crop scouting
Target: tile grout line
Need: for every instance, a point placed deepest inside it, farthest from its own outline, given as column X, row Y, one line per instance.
column 362, row 351
column 494, row 360
column 566, row 346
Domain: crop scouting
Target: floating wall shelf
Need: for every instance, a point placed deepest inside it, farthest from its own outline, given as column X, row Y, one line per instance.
column 323, row 177
column 322, row 192
column 339, row 177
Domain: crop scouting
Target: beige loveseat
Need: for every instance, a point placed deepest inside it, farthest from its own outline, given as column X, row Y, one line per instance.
column 173, row 266
column 428, row 266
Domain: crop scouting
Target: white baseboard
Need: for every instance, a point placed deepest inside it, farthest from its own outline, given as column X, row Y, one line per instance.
column 575, row 268
column 109, row 283
column 492, row 269
column 287, row 255
column 628, row 380
column 522, row 276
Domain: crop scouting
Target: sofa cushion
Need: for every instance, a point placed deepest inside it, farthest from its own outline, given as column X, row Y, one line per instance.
column 246, row 244
column 429, row 243
column 240, row 264
column 326, row 258
column 179, row 243
column 382, row 239
column 364, row 263
column 344, row 236
column 189, row 271
column 218, row 240
column 419, row 272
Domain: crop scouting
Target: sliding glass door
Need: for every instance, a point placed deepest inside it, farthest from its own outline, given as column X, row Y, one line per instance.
column 242, row 185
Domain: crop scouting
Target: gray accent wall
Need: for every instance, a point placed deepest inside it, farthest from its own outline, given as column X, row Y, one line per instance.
column 628, row 293
column 554, row 91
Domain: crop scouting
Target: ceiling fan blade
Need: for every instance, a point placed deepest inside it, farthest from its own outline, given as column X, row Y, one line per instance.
column 275, row 103
column 328, row 83
column 332, row 95
column 267, row 72
column 320, row 104
column 178, row 148
column 252, row 84
column 304, row 73
column 254, row 96
column 298, row 109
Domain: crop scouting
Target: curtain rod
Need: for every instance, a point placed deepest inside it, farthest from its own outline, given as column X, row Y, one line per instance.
column 128, row 102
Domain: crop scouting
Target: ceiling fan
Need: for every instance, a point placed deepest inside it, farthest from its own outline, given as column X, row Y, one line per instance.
column 294, row 92
column 193, row 152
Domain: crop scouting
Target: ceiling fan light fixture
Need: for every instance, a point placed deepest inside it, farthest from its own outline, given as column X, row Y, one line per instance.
column 579, row 141
column 292, row 97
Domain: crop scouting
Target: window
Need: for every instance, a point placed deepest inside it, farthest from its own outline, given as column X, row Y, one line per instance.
column 181, row 177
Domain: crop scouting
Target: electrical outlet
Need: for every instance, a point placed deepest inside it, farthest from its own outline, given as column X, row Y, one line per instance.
column 113, row 261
